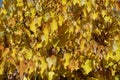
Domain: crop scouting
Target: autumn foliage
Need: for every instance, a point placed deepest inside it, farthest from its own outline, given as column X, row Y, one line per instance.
column 60, row 40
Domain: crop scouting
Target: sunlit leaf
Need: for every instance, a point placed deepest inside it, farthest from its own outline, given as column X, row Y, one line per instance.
column 33, row 27
column 108, row 19
column 50, row 75
column 2, row 67
column 76, row 1
column 54, row 25
column 46, row 34
column 33, row 12
column 60, row 20
column 82, row 45
column 43, row 65
column 89, row 6
column 67, row 57
column 94, row 16
column 64, row 2
column 20, row 3
column 87, row 66
column 28, row 54
column 4, row 11
column 51, row 61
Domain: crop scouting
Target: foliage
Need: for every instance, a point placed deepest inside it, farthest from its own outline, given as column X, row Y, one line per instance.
column 60, row 39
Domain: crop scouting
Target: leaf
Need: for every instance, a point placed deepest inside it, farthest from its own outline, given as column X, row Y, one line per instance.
column 60, row 22
column 4, row 11
column 2, row 67
column 46, row 34
column 46, row 17
column 50, row 75
column 39, row 45
column 28, row 55
column 39, row 19
column 67, row 57
column 104, row 12
column 33, row 27
column 87, row 66
column 11, row 22
column 22, row 67
column 108, row 19
column 82, row 45
column 31, row 66
column 94, row 15
column 73, row 65
column 64, row 2
column 83, row 2
column 89, row 6
column 20, row 3
column 1, row 47
column 53, row 26
column 76, row 1
column 51, row 61
column 33, row 12
column 43, row 65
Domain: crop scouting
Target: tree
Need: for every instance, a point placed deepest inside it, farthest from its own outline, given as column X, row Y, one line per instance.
column 60, row 39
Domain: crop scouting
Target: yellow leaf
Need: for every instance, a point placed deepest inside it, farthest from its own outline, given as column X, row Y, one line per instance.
column 52, row 14
column 89, row 6
column 108, row 19
column 39, row 45
column 107, row 2
column 46, row 17
column 39, row 21
column 33, row 27
column 60, row 22
column 53, row 25
column 28, row 54
column 46, row 34
column 76, row 1
column 2, row 67
column 33, row 12
column 82, row 45
column 104, row 12
column 20, row 3
column 51, row 61
column 87, row 66
column 93, row 2
column 94, row 15
column 4, row 11
column 64, row 2
column 83, row 2
column 67, row 57
column 50, row 75
column 43, row 65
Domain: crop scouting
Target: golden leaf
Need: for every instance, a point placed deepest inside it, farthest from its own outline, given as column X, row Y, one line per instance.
column 20, row 3
column 33, row 12
column 82, row 45
column 43, row 65
column 51, row 61
column 60, row 22
column 76, row 1
column 28, row 55
column 4, row 11
column 64, row 2
column 50, row 75
column 53, row 26
column 2, row 67
column 46, row 34
column 94, row 15
column 67, row 57
column 33, row 27
column 87, row 66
